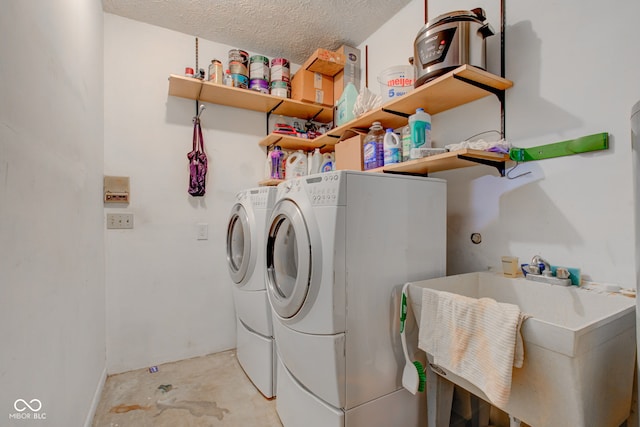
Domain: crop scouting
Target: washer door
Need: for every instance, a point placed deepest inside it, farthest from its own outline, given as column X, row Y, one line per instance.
column 238, row 243
column 288, row 259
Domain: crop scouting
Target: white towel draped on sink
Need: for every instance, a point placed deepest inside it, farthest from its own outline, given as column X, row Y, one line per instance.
column 477, row 339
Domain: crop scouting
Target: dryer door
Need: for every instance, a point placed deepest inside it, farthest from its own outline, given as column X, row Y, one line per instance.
column 288, row 259
column 238, row 243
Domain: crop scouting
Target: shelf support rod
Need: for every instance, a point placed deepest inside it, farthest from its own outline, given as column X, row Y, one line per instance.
column 499, row 93
column 496, row 164
column 271, row 111
column 426, row 174
column 493, row 90
column 396, row 113
column 316, row 114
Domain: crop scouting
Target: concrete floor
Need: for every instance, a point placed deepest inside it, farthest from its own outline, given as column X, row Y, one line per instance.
column 205, row 391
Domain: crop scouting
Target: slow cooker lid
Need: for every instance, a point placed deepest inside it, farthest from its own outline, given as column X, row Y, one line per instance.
column 476, row 14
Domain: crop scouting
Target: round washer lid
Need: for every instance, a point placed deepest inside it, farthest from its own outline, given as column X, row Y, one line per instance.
column 288, row 260
column 238, row 243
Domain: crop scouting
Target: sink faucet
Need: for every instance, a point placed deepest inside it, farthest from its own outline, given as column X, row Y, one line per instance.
column 537, row 260
column 544, row 274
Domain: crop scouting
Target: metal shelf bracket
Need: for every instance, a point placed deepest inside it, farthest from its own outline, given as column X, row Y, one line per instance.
column 499, row 165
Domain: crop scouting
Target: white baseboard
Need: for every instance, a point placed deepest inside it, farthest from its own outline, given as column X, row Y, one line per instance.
column 96, row 398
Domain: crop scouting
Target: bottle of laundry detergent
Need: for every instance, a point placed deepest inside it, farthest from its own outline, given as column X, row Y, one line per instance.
column 373, row 148
column 391, row 147
column 327, row 162
column 276, row 156
column 315, row 161
column 296, row 165
column 420, row 124
column 267, row 166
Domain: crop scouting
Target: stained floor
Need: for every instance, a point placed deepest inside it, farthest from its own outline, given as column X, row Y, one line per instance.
column 205, row 391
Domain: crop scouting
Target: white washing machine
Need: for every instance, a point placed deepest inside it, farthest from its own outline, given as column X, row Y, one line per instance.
column 339, row 247
column 245, row 259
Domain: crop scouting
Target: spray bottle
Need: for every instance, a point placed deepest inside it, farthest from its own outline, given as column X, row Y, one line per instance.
column 276, row 156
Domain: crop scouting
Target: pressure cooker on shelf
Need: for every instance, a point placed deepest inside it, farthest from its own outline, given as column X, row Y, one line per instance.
column 450, row 40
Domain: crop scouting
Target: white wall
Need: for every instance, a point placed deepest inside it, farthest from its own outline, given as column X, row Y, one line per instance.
column 52, row 288
column 570, row 80
column 168, row 294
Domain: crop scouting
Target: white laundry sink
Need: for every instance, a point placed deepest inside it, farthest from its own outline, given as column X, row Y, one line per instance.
column 579, row 349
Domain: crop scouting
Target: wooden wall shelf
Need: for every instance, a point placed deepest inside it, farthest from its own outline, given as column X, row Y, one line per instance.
column 438, row 163
column 289, row 142
column 446, row 161
column 191, row 88
column 463, row 85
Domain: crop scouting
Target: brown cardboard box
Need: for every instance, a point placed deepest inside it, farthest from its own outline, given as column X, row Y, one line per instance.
column 325, row 62
column 349, row 151
column 312, row 87
column 351, row 72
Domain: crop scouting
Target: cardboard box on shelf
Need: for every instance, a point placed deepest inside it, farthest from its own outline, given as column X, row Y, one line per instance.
column 312, row 87
column 348, row 151
column 325, row 62
column 351, row 72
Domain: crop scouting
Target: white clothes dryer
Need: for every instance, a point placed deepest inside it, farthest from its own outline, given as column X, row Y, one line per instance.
column 246, row 231
column 339, row 247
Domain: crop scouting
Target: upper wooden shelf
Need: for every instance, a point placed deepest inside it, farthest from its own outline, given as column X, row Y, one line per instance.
column 191, row 88
column 448, row 91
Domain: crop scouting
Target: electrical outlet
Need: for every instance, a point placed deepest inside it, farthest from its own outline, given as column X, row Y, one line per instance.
column 203, row 231
column 121, row 220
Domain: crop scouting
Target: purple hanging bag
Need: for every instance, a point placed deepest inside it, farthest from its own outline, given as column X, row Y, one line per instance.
column 197, row 162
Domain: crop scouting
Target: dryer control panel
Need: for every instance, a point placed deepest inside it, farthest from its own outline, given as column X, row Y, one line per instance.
column 262, row 197
column 324, row 189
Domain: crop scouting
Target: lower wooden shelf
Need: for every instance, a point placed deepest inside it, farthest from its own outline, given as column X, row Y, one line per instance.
column 446, row 161
column 269, row 182
column 441, row 162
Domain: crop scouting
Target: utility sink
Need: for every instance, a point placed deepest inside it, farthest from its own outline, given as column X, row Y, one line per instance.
column 579, row 348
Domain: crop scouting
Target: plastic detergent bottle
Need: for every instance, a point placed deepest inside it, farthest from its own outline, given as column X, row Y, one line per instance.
column 373, row 147
column 315, row 161
column 391, row 147
column 276, row 156
column 327, row 162
column 344, row 106
column 267, row 166
column 296, row 165
column 420, row 124
column 405, row 136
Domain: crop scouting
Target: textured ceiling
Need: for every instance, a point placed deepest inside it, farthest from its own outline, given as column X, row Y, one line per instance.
column 289, row 28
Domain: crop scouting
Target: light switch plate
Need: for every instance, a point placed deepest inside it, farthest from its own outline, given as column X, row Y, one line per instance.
column 203, row 231
column 119, row 220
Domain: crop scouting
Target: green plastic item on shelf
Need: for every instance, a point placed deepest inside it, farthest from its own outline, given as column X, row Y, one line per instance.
column 598, row 141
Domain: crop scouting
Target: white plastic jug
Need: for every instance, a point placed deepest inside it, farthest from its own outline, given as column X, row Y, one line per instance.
column 296, row 165
column 327, row 162
column 315, row 161
column 391, row 147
